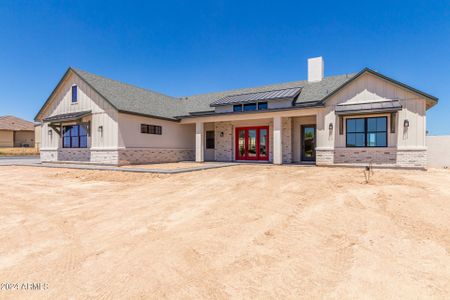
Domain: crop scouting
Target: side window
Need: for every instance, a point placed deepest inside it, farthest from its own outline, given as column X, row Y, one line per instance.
column 151, row 129
column 210, row 142
column 74, row 94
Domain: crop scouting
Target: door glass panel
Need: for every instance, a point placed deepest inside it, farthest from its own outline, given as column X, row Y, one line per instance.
column 308, row 143
column 252, row 142
column 263, row 143
column 241, row 142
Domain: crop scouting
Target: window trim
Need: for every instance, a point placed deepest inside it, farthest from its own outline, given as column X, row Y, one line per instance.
column 79, row 136
column 151, row 129
column 74, row 95
column 366, row 132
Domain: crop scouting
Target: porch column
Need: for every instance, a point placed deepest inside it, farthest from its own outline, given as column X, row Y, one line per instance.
column 277, row 148
column 199, row 138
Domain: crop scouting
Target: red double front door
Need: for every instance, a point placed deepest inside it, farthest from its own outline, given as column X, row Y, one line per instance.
column 252, row 143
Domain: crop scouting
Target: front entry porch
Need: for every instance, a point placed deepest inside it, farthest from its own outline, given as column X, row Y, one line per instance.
column 277, row 140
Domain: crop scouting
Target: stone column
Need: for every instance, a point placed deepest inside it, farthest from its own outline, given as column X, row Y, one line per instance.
column 277, row 144
column 199, row 140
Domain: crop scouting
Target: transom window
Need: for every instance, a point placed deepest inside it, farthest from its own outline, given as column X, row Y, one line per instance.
column 366, row 132
column 74, row 136
column 151, row 129
column 250, row 106
column 74, row 94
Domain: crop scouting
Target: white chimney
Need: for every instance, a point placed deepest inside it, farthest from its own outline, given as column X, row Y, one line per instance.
column 315, row 69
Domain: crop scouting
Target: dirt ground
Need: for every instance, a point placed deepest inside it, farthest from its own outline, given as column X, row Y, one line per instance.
column 245, row 231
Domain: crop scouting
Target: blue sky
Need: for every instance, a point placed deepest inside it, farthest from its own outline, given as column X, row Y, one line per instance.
column 186, row 47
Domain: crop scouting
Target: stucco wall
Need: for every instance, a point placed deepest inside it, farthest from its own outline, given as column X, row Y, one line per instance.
column 174, row 135
column 438, row 151
column 6, row 138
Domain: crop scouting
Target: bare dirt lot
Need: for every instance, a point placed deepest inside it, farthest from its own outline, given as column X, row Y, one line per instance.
column 238, row 232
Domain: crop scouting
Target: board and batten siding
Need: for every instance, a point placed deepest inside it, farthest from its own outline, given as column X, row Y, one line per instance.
column 370, row 88
column 103, row 114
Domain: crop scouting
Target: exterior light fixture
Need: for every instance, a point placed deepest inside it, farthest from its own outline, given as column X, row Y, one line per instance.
column 100, row 130
column 330, row 127
column 50, row 132
column 221, row 134
column 406, row 124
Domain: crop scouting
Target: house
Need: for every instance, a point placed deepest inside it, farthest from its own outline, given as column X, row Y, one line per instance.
column 16, row 132
column 358, row 118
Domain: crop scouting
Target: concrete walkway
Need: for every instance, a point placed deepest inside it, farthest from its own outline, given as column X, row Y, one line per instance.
column 35, row 162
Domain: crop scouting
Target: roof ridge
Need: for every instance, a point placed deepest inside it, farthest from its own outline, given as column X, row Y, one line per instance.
column 124, row 83
column 277, row 90
column 268, row 85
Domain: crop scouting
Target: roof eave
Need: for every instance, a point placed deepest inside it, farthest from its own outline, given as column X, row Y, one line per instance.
column 312, row 104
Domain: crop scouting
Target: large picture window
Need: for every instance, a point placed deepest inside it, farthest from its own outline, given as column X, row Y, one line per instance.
column 366, row 132
column 74, row 136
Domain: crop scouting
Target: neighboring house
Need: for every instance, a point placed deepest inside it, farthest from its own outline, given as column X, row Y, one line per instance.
column 16, row 132
column 358, row 118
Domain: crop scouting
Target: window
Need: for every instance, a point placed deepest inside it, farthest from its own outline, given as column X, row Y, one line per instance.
column 249, row 106
column 262, row 105
column 210, row 140
column 237, row 107
column 151, row 129
column 74, row 136
column 366, row 132
column 74, row 94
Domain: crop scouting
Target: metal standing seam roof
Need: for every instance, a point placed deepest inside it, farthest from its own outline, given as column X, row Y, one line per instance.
column 385, row 106
column 67, row 117
column 289, row 93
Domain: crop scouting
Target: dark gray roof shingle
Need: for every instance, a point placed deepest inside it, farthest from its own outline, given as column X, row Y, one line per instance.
column 311, row 91
column 129, row 98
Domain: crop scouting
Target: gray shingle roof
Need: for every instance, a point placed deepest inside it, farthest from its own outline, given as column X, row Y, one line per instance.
column 290, row 93
column 311, row 91
column 129, row 98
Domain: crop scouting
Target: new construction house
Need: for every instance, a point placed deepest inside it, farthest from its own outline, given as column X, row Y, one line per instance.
column 358, row 118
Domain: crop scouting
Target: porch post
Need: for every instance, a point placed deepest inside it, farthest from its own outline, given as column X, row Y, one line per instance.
column 199, row 138
column 277, row 148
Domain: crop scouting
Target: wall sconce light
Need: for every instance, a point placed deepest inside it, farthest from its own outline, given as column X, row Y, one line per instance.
column 50, row 132
column 330, row 127
column 221, row 134
column 100, row 130
column 406, row 124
